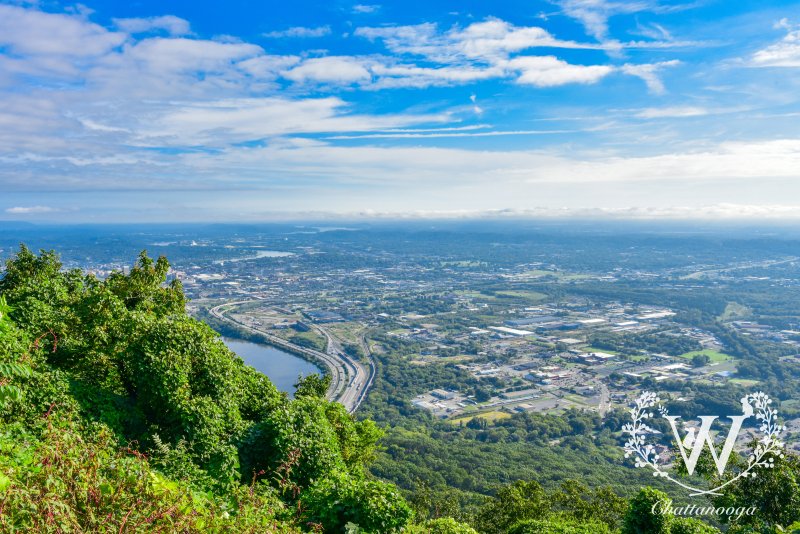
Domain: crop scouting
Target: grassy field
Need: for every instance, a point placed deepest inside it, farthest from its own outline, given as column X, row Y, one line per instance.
column 560, row 275
column 743, row 382
column 715, row 356
column 533, row 296
column 539, row 272
column 463, row 263
column 489, row 416
column 317, row 342
column 349, row 332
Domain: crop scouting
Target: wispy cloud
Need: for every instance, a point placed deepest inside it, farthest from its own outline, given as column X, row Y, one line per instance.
column 711, row 212
column 649, row 73
column 29, row 210
column 238, row 120
column 300, row 32
column 171, row 24
column 671, row 112
column 784, row 53
column 492, row 49
column 490, row 39
column 595, row 14
column 366, row 8
column 444, row 134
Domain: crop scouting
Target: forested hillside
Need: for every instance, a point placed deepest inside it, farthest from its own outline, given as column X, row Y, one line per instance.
column 122, row 414
column 119, row 413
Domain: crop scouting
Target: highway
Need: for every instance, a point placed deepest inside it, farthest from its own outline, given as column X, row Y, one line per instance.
column 350, row 379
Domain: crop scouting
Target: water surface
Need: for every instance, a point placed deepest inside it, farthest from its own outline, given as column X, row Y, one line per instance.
column 281, row 367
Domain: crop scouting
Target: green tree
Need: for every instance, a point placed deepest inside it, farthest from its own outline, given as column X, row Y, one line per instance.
column 558, row 526
column 513, row 503
column 313, row 385
column 102, row 372
column 339, row 499
column 643, row 517
column 442, row 525
column 773, row 493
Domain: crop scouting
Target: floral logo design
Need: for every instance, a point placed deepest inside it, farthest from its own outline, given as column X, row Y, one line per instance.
column 693, row 443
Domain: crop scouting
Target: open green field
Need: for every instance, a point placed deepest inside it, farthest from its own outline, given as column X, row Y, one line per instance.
column 348, row 331
column 577, row 399
column 500, row 296
column 743, row 382
column 715, row 356
column 533, row 296
column 560, row 275
column 462, row 263
column 489, row 416
column 539, row 272
column 308, row 339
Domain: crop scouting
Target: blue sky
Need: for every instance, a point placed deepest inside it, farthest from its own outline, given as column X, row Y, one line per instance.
column 193, row 111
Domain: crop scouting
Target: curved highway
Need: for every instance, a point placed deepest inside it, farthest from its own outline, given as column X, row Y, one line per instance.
column 350, row 380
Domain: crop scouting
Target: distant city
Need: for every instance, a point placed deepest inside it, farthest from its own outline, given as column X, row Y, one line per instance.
column 531, row 318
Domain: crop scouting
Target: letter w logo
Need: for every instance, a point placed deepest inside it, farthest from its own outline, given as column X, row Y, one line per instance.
column 704, row 437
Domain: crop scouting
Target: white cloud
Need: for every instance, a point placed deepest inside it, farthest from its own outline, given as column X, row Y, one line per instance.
column 376, row 72
column 300, row 32
column 169, row 23
column 549, row 71
column 707, row 213
column 443, row 134
column 115, row 63
column 330, row 69
column 653, row 31
column 403, row 39
column 96, row 126
column 669, row 112
column 649, row 73
column 414, row 76
column 32, row 32
column 26, row 210
column 189, row 55
column 490, row 49
column 267, row 67
column 594, row 14
column 230, row 121
column 491, row 39
column 785, row 53
column 514, row 173
column 366, row 8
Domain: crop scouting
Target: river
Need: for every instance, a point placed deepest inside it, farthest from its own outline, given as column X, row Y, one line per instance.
column 281, row 367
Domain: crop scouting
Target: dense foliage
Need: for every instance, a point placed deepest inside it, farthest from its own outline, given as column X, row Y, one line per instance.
column 120, row 413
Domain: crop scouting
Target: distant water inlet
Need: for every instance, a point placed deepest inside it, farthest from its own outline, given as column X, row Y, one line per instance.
column 257, row 256
column 281, row 367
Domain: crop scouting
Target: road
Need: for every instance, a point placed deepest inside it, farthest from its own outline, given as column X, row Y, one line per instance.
column 368, row 353
column 605, row 400
column 350, row 379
